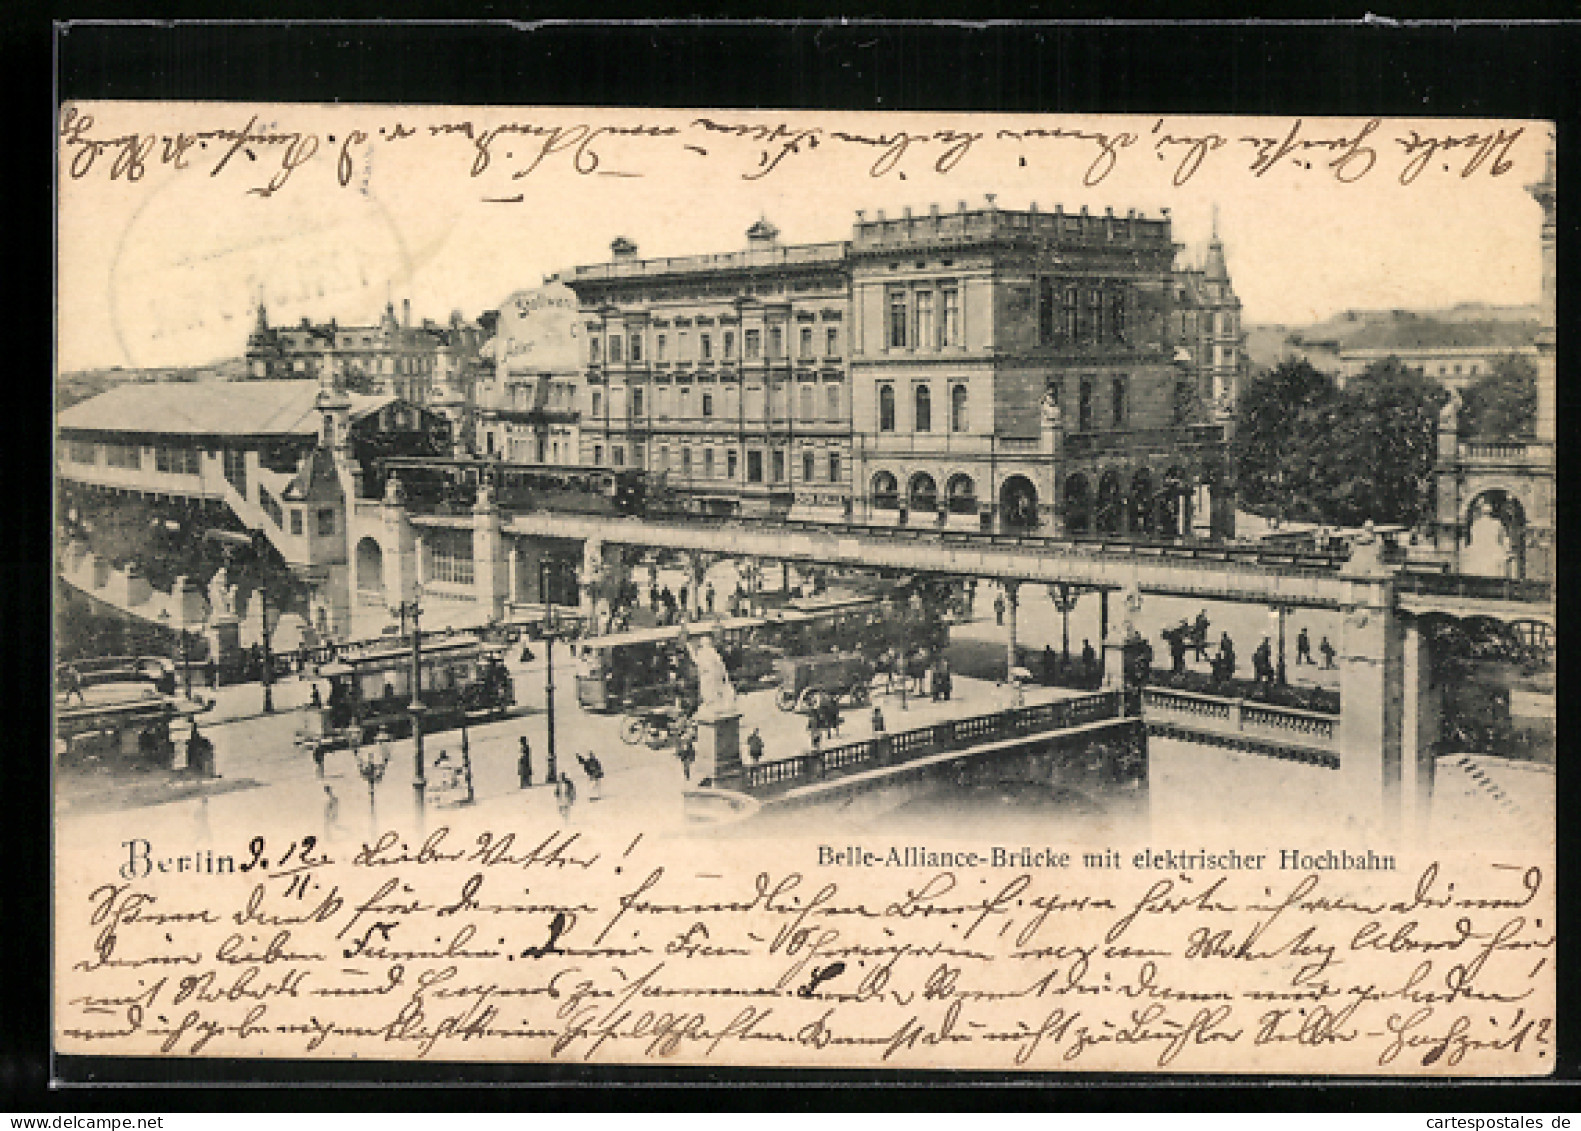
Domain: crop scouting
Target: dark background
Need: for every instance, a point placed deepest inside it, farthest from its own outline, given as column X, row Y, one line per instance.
column 1378, row 68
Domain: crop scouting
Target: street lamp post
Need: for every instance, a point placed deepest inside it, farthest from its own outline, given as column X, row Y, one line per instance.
column 371, row 764
column 1064, row 595
column 414, row 704
column 268, row 659
column 550, row 625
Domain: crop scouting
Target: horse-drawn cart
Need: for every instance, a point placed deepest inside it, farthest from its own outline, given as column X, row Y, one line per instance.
column 805, row 681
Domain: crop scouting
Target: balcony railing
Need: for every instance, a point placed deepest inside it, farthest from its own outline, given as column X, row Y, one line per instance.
column 1474, row 586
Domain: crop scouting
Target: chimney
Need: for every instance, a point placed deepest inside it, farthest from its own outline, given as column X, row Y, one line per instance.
column 620, row 248
column 933, row 210
column 406, row 313
column 907, row 211
column 961, row 206
column 1033, row 208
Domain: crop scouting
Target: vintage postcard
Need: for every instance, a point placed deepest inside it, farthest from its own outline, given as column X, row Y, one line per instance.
column 805, row 589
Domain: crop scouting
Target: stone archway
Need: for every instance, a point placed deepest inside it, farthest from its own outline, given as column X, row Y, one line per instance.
column 1018, row 503
column 1174, row 504
column 1078, row 505
column 1139, row 504
column 1495, row 535
column 885, row 492
column 923, row 492
column 370, row 566
column 1111, row 503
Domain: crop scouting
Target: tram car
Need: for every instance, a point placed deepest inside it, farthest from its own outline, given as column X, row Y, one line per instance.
column 806, row 681
column 452, row 485
column 370, row 688
column 120, row 723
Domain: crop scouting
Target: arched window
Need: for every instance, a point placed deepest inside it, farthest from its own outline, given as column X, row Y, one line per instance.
column 886, row 491
column 924, row 492
column 886, row 408
column 924, row 416
column 1084, row 407
column 958, row 420
column 1117, row 402
column 962, row 495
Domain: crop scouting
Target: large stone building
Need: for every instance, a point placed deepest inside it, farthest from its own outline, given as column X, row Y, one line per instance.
column 528, row 401
column 427, row 364
column 982, row 369
column 728, row 373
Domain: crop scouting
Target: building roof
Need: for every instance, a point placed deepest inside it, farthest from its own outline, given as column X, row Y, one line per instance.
column 1430, row 334
column 213, row 408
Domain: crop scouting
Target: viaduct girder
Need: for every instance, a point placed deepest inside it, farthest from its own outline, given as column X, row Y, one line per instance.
column 1107, row 568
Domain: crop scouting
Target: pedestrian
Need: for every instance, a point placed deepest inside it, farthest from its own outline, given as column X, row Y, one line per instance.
column 315, row 700
column 1177, row 650
column 878, row 719
column 1262, row 663
column 74, row 684
column 595, row 775
column 1018, row 697
column 1089, row 659
column 755, row 745
column 1303, row 648
column 1226, row 659
column 564, row 796
column 999, row 609
column 1328, row 654
column 943, row 681
column 524, row 764
column 1048, row 665
column 1201, row 634
column 831, row 716
column 682, row 597
column 653, row 597
column 200, row 753
column 331, row 813
column 708, row 598
column 318, row 758
column 551, row 765
column 687, row 754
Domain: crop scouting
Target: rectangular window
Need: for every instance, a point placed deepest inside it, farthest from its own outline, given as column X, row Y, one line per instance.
column 636, row 455
column 598, row 455
column 598, row 403
column 1068, row 314
column 708, row 404
column 592, row 351
column 952, row 316
column 808, row 465
column 130, row 456
column 683, row 346
column 82, row 451
column 897, row 320
column 614, row 348
column 831, row 395
column 449, row 556
column 834, row 467
column 731, row 460
column 686, row 403
column 776, row 342
column 1118, row 401
column 708, row 463
column 805, row 407
column 636, row 347
column 705, row 346
column 326, row 522
column 754, row 466
column 925, row 339
column 831, row 341
column 636, row 402
column 778, row 456
column 1117, row 315
column 658, row 347
column 296, row 520
column 754, row 345
column 1095, row 315
column 1045, row 311
column 686, row 462
column 661, row 402
column 662, row 458
column 619, row 452
column 176, row 461
column 730, row 344
column 806, row 341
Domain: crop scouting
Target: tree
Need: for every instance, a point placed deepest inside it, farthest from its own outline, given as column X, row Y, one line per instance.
column 1379, row 445
column 1306, row 451
column 1502, row 405
column 1281, row 418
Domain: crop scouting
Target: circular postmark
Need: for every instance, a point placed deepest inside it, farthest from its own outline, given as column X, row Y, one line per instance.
column 199, row 254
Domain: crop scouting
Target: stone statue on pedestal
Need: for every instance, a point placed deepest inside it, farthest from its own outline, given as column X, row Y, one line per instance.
column 222, row 596
column 716, row 693
column 1053, row 415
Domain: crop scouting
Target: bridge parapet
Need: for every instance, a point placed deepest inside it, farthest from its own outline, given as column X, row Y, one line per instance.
column 939, row 738
column 1279, row 732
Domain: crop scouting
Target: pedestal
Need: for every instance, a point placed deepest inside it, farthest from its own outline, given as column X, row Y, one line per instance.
column 718, row 747
column 223, row 634
column 1113, row 665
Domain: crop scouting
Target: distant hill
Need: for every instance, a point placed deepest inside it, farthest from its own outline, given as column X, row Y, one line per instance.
column 80, row 384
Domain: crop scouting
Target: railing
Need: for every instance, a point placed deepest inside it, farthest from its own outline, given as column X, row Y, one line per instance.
column 1214, row 715
column 778, row 255
column 1474, row 586
column 1091, row 443
column 1507, row 451
column 939, row 738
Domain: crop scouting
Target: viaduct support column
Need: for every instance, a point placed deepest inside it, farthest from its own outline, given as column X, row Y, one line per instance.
column 1372, row 694
column 1012, row 601
column 490, row 569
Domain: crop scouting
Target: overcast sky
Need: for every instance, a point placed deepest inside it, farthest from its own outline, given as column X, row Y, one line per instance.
column 165, row 270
